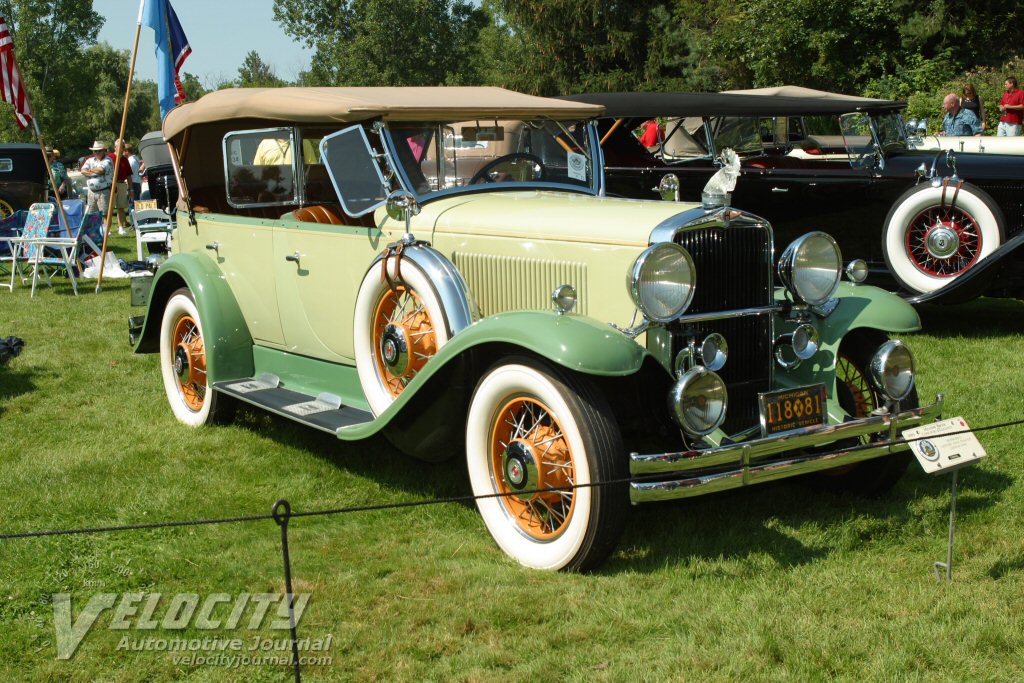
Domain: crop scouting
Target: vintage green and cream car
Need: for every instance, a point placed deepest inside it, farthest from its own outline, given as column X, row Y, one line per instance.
column 440, row 266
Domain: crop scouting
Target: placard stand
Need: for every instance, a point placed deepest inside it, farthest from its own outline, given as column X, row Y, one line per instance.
column 948, row 564
column 945, row 446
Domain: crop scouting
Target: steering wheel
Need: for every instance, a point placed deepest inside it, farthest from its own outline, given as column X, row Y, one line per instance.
column 484, row 174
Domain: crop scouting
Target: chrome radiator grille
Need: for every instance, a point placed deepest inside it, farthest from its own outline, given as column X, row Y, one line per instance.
column 734, row 271
column 509, row 283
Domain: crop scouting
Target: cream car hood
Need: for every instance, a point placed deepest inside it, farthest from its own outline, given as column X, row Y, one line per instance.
column 561, row 216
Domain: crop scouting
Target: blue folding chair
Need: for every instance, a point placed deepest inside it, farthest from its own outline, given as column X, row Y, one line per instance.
column 39, row 248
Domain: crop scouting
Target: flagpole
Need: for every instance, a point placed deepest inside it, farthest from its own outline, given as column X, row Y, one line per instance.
column 117, row 149
column 53, row 181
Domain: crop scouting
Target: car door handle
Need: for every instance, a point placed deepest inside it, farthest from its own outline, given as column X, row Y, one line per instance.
column 294, row 258
column 780, row 189
column 214, row 246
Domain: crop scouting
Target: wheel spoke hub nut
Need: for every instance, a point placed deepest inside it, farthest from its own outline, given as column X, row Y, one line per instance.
column 394, row 350
column 519, row 468
column 182, row 364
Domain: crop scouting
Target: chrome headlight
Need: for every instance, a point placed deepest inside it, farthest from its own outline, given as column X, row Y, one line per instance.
column 713, row 352
column 892, row 369
column 698, row 401
column 810, row 268
column 661, row 281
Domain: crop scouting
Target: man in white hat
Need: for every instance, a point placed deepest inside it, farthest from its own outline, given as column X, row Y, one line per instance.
column 99, row 173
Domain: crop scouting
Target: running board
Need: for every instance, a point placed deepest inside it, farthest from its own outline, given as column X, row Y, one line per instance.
column 324, row 412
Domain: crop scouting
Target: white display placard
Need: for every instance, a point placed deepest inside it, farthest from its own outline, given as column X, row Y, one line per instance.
column 577, row 164
column 940, row 447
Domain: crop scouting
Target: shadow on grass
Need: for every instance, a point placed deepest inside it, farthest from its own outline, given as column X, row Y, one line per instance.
column 14, row 383
column 770, row 520
column 1007, row 566
column 374, row 458
column 735, row 525
column 979, row 318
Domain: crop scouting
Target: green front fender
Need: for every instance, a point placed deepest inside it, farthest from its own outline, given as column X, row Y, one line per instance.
column 861, row 307
column 574, row 342
column 225, row 334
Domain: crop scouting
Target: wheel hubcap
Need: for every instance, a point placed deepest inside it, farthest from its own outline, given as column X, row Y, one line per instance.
column 942, row 241
column 520, row 467
column 182, row 367
column 394, row 349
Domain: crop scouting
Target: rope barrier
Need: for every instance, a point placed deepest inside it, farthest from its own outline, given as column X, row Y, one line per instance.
column 433, row 501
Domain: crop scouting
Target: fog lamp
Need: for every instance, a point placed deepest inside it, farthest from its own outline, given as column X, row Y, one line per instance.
column 698, row 401
column 714, row 351
column 857, row 270
column 892, row 369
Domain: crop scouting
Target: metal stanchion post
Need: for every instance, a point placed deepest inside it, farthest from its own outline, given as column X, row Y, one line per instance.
column 948, row 564
column 282, row 513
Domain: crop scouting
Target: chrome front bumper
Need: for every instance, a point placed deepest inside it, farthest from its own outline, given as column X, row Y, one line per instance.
column 695, row 473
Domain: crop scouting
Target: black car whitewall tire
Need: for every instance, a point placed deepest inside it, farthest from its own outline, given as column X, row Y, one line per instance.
column 925, row 220
column 398, row 326
column 532, row 427
column 183, row 364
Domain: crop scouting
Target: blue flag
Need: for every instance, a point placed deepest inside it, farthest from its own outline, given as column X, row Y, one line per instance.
column 172, row 49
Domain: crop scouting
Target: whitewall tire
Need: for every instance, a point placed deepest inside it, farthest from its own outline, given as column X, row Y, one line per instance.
column 533, row 427
column 929, row 239
column 398, row 327
column 183, row 363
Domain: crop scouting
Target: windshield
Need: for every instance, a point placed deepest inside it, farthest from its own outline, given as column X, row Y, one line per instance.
column 450, row 156
column 891, row 133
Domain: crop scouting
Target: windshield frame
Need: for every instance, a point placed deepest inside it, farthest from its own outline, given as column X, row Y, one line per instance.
column 595, row 188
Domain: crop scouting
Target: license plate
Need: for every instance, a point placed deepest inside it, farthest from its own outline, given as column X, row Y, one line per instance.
column 789, row 409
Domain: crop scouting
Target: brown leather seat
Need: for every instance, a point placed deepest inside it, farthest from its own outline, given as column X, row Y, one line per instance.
column 317, row 214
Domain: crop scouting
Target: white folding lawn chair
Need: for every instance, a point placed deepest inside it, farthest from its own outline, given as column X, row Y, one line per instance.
column 152, row 226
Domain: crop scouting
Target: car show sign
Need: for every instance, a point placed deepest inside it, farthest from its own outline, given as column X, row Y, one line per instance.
column 944, row 446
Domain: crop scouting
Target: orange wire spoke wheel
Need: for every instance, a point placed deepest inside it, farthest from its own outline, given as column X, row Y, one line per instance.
column 404, row 338
column 190, row 362
column 529, row 453
column 850, row 375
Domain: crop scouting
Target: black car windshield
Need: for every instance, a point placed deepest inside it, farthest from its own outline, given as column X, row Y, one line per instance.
column 456, row 156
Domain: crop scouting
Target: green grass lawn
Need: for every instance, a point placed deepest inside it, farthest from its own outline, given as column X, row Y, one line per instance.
column 781, row 582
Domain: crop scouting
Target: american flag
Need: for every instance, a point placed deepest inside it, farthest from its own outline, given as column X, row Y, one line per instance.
column 13, row 87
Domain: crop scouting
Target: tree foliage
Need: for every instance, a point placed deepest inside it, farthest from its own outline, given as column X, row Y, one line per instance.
column 255, row 73
column 49, row 36
column 385, row 42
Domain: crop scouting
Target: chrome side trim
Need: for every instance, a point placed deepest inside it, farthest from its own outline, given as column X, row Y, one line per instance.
column 747, row 453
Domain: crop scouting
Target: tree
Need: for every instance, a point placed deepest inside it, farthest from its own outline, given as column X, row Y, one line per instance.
column 385, row 42
column 255, row 73
column 50, row 40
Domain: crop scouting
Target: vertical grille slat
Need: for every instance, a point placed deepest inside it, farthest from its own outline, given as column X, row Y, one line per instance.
column 734, row 271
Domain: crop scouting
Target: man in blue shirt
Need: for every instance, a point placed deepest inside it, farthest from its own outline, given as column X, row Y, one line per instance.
column 958, row 121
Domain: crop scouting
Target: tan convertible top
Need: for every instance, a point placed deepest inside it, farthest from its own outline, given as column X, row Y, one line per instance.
column 324, row 105
column 798, row 91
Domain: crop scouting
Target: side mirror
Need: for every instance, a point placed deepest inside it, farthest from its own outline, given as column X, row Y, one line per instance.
column 402, row 205
column 668, row 188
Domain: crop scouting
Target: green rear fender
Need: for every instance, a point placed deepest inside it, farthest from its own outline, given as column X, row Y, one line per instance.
column 228, row 344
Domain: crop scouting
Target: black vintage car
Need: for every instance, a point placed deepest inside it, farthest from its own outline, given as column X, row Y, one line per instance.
column 845, row 165
column 22, row 177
